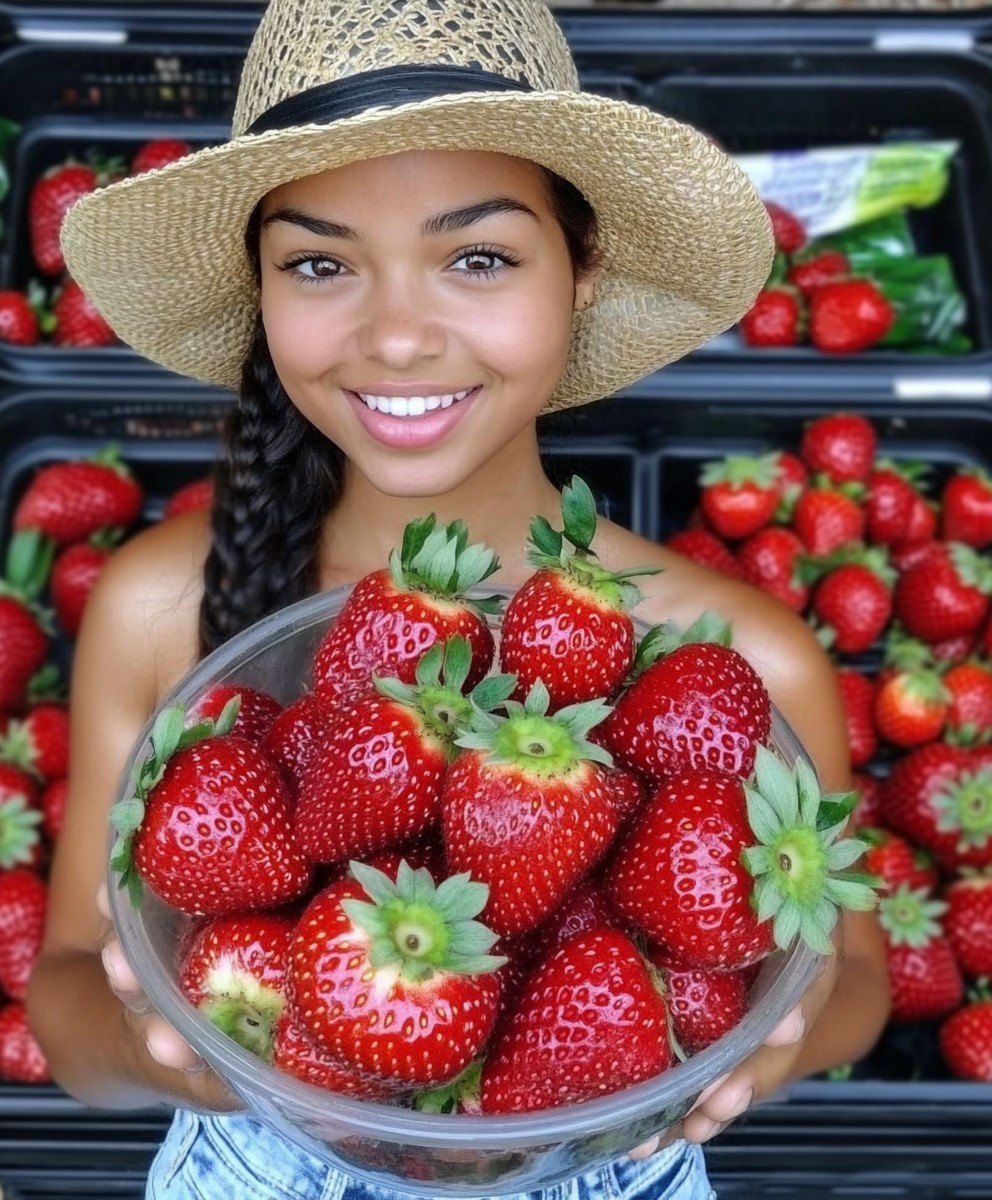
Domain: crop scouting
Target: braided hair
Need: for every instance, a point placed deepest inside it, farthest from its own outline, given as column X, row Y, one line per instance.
column 279, row 477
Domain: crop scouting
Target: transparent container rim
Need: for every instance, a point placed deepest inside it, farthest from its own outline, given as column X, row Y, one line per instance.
column 246, row 1073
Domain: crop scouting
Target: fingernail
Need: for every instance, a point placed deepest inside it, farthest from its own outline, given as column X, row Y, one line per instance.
column 743, row 1104
column 708, row 1129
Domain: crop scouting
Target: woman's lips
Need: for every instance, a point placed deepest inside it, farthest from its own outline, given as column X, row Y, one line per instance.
column 411, row 433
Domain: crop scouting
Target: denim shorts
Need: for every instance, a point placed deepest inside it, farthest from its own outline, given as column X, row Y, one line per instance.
column 230, row 1157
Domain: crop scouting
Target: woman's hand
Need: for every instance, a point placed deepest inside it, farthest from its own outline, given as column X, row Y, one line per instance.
column 197, row 1086
column 767, row 1070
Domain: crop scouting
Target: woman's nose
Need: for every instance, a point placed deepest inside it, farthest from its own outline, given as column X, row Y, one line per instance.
column 400, row 326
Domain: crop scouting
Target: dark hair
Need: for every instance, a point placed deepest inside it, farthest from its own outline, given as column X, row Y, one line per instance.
column 279, row 476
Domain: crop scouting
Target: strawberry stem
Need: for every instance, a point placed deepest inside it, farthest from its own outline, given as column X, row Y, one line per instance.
column 439, row 561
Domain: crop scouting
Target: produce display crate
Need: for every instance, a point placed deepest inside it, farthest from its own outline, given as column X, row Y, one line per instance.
column 115, row 74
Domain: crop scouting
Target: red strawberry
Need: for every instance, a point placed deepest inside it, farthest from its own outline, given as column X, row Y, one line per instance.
column 970, row 714
column 208, row 827
column 18, row 320
column 39, row 743
column 853, row 601
column 954, row 649
column 424, row 851
column 867, row 810
column 704, row 1005
column 922, row 520
column 51, row 197
column 234, row 971
column 70, row 501
column 788, row 230
column 946, row 595
column 569, row 625
column 770, row 560
column 791, row 475
column 965, row 1040
column 818, row 270
column 940, row 797
column 53, row 800
column 377, row 777
column 858, row 694
column 849, row 315
column 910, row 554
column 22, row 1060
column 889, row 505
column 739, row 494
column 828, row 519
column 585, row 909
column 78, row 322
column 911, row 708
column 704, row 844
column 700, row 705
column 393, row 617
column 841, row 446
column 895, row 861
column 295, row 736
column 257, row 711
column 968, row 922
column 402, row 988
column 706, row 549
column 967, row 509
column 20, row 816
column 777, row 318
column 23, row 904
column 159, row 153
column 294, row 1052
column 23, row 625
column 924, row 979
column 590, row 1022
column 194, row 497
column 74, row 577
column 525, row 808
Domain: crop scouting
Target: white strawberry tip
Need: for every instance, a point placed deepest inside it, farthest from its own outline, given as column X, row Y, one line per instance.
column 242, row 1008
column 799, row 865
column 169, row 735
column 419, row 929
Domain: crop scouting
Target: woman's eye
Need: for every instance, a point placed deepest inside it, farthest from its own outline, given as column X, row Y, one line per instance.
column 485, row 262
column 318, row 271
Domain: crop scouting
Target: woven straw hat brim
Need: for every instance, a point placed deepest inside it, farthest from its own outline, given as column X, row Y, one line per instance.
column 686, row 241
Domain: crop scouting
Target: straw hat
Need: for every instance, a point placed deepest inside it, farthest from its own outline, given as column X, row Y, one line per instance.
column 686, row 242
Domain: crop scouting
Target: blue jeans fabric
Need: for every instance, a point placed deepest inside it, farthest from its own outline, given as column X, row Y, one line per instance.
column 227, row 1158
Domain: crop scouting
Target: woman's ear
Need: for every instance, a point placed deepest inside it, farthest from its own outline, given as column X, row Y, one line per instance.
column 585, row 288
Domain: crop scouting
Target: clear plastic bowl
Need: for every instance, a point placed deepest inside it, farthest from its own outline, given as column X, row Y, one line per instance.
column 391, row 1146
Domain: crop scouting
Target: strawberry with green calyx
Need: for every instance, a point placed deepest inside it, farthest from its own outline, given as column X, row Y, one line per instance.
column 828, row 516
column 525, row 807
column 841, row 446
column 376, row 778
column 569, row 624
column 25, row 627
column 392, row 617
column 946, row 594
column 776, row 318
column 243, row 856
column 395, row 978
column 257, row 710
column 694, row 702
column 461, row 1095
column 891, row 499
column 47, row 687
column 967, row 508
column 965, row 1038
column 234, row 971
column 39, row 743
column 911, row 707
column 740, row 494
column 852, row 602
column 764, row 855
column 591, row 1021
column 71, row 501
column 895, row 861
column 54, row 193
column 20, row 817
column 847, row 316
column 771, row 560
column 924, row 979
column 969, row 719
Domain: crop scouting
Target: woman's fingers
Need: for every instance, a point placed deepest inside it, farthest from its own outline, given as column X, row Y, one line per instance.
column 790, row 1030
column 168, row 1048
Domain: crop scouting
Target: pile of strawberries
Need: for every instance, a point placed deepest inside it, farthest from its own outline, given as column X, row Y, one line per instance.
column 897, row 583
column 66, row 525
column 58, row 311
column 437, row 883
column 815, row 297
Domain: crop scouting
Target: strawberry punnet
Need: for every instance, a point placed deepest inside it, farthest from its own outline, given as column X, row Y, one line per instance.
column 24, row 626
column 965, row 1038
column 694, row 703
column 924, row 978
column 20, row 817
column 968, row 921
column 591, row 1021
column 525, row 807
column 395, row 979
column 568, row 625
column 208, row 824
column 719, row 872
column 740, row 494
column 377, row 776
column 71, row 501
column 394, row 616
column 234, row 972
column 945, row 595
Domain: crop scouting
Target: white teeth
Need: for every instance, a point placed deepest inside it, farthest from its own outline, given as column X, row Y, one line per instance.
column 411, row 406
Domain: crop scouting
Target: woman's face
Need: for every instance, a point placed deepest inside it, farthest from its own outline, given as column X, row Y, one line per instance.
column 426, row 274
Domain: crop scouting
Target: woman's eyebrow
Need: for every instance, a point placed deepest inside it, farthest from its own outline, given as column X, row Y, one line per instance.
column 443, row 222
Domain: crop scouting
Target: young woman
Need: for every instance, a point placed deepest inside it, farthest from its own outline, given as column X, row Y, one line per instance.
column 417, row 203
